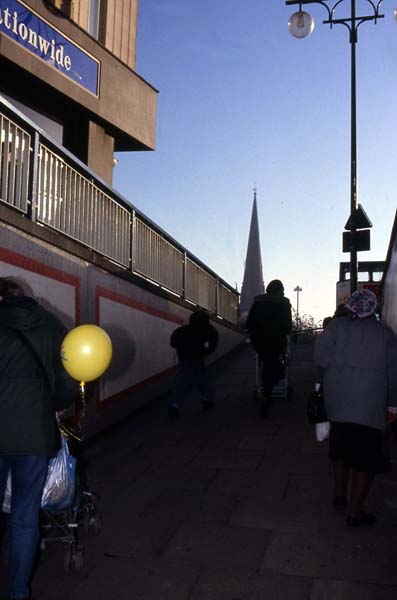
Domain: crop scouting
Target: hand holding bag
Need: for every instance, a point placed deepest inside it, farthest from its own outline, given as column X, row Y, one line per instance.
column 315, row 406
column 60, row 486
column 316, row 413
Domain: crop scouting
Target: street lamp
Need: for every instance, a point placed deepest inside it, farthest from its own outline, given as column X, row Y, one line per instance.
column 297, row 289
column 300, row 25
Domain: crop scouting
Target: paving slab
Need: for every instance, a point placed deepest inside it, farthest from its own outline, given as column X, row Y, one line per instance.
column 239, row 584
column 339, row 553
column 285, row 514
column 127, row 579
column 193, row 507
column 209, row 545
column 347, row 590
column 228, row 459
column 166, row 477
column 248, row 483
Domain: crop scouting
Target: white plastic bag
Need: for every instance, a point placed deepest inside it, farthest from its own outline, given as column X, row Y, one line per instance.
column 60, row 485
column 322, row 431
column 7, row 496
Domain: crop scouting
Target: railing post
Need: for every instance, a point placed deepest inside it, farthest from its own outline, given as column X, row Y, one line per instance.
column 217, row 297
column 33, row 186
column 133, row 240
column 184, row 275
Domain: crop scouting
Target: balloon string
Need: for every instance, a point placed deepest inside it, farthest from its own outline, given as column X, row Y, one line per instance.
column 83, row 402
column 67, row 431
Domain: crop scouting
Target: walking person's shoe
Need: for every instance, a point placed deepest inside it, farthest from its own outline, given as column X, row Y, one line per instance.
column 207, row 405
column 265, row 407
column 173, row 411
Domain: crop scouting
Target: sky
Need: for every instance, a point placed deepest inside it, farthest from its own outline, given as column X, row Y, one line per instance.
column 243, row 105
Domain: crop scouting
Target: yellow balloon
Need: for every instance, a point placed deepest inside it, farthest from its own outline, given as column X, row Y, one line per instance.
column 86, row 352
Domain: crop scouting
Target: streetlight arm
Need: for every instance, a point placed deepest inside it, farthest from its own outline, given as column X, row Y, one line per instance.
column 294, row 2
column 331, row 21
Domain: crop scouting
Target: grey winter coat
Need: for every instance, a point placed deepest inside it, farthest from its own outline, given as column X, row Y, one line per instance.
column 358, row 358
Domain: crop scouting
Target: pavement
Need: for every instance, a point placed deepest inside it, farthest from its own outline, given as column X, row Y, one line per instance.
column 225, row 505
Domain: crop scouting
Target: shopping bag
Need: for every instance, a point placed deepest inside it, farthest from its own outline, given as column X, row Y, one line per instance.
column 322, row 431
column 60, row 485
column 6, row 508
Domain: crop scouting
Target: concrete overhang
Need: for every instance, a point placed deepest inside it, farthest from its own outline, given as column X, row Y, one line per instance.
column 126, row 104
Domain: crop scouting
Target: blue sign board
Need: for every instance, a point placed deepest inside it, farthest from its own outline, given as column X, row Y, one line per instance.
column 35, row 34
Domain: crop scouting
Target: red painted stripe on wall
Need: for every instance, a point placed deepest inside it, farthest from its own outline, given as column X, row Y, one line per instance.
column 127, row 301
column 29, row 264
column 133, row 388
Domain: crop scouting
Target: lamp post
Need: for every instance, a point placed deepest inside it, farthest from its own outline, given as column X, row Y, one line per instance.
column 300, row 25
column 297, row 289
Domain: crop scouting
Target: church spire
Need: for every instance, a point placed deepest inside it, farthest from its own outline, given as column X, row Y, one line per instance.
column 253, row 275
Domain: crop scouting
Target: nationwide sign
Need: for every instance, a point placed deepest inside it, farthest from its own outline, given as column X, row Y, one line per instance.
column 36, row 35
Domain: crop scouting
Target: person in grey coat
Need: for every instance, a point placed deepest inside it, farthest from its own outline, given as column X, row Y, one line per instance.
column 357, row 355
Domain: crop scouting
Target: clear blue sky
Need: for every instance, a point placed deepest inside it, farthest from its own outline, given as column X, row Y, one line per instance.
column 244, row 104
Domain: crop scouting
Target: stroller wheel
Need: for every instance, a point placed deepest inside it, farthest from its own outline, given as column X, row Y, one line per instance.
column 77, row 559
column 96, row 524
column 67, row 563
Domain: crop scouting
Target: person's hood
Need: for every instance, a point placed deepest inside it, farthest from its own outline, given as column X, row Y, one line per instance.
column 21, row 313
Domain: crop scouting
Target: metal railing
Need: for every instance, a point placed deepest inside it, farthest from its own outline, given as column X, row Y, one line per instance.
column 14, row 164
column 73, row 205
column 156, row 258
column 200, row 286
column 41, row 179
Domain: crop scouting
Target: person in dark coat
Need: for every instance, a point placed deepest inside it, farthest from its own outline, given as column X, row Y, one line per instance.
column 357, row 355
column 268, row 323
column 33, row 387
column 193, row 343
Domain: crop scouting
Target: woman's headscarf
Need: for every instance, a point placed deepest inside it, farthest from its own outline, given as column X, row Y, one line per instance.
column 362, row 303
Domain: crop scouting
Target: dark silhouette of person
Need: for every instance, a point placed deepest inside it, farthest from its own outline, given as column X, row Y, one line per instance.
column 340, row 311
column 327, row 321
column 33, row 387
column 193, row 343
column 268, row 323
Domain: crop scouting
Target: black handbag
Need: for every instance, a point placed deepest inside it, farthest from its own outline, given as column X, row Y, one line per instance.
column 315, row 407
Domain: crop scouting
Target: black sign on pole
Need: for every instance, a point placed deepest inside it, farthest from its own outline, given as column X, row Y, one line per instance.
column 358, row 240
column 360, row 220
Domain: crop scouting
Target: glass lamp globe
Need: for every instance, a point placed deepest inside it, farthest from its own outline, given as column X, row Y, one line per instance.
column 395, row 14
column 301, row 24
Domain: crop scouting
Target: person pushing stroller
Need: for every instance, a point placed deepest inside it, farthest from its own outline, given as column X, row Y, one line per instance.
column 268, row 323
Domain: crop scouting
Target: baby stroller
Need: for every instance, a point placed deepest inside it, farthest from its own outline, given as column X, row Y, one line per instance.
column 281, row 389
column 67, row 507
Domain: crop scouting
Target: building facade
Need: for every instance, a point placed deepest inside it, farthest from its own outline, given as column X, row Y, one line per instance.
column 70, row 67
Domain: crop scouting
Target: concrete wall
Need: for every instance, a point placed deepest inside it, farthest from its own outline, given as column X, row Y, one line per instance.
column 138, row 320
column 389, row 308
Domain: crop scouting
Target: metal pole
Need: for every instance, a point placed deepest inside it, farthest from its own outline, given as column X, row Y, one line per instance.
column 297, row 289
column 353, row 154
